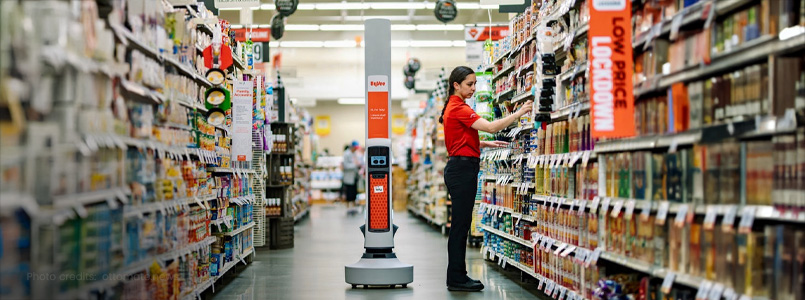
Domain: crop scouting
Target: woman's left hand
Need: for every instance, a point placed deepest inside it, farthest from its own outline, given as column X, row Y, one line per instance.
column 494, row 144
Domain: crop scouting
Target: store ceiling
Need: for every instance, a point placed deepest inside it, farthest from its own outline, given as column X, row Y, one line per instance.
column 333, row 12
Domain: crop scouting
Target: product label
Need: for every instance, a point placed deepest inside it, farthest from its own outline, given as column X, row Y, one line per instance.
column 377, row 107
column 611, row 98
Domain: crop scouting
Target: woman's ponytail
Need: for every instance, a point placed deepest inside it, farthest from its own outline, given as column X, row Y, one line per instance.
column 457, row 75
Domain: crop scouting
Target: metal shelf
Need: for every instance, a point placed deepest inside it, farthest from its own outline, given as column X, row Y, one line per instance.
column 301, row 214
column 137, row 92
column 522, row 97
column 565, row 112
column 503, row 72
column 503, row 94
column 525, row 67
column 578, row 70
column 501, row 57
column 505, row 235
column 764, row 126
column 236, row 231
column 690, row 15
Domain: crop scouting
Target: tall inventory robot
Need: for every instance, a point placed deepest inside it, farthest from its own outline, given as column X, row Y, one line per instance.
column 379, row 265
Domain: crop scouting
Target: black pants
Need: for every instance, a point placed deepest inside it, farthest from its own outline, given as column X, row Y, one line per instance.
column 351, row 191
column 461, row 179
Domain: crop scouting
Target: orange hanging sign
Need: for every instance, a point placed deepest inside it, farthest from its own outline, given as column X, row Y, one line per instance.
column 610, row 49
column 377, row 101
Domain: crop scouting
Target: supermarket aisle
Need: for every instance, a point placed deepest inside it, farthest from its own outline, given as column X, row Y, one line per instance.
column 328, row 240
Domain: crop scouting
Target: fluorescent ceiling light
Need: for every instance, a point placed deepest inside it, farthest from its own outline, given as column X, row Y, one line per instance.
column 398, row 5
column 364, row 18
column 302, row 44
column 268, row 7
column 237, row 26
column 431, row 43
column 301, row 27
column 403, row 27
column 488, row 6
column 351, row 101
column 353, row 44
column 229, row 8
column 264, row 26
column 306, row 6
column 340, row 44
column 342, row 6
column 430, row 5
column 467, row 5
column 400, row 44
column 341, row 27
column 438, row 27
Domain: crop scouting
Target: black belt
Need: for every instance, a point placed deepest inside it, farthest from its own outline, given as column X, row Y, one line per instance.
column 468, row 158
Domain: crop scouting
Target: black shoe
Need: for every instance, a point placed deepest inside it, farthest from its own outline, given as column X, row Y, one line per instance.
column 469, row 286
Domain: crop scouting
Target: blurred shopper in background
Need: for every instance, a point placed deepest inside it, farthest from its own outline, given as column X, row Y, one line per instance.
column 352, row 166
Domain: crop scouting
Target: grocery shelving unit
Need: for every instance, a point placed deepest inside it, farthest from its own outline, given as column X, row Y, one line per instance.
column 568, row 210
column 116, row 175
column 427, row 193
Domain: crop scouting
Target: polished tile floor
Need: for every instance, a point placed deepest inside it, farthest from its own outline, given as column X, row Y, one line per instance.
column 328, row 239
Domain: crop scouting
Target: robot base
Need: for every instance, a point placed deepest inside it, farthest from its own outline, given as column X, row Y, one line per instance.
column 379, row 272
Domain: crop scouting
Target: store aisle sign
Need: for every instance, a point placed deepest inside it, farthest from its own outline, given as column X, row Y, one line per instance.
column 286, row 7
column 445, row 10
column 481, row 33
column 377, row 110
column 236, row 3
column 323, row 125
column 257, row 34
column 398, row 122
column 611, row 98
column 242, row 123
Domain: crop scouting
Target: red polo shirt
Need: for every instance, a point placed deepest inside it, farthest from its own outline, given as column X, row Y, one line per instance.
column 459, row 136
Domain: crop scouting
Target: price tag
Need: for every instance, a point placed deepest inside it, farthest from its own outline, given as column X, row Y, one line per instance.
column 585, row 158
column 704, row 287
column 715, row 292
column 747, row 218
column 549, row 287
column 576, row 157
column 729, row 217
column 541, row 282
column 681, row 215
column 605, row 206
column 675, row 24
column 505, row 261
column 557, row 291
column 668, row 282
column 594, row 207
column 492, row 254
column 707, row 13
column 662, row 212
column 629, row 209
column 560, row 248
column 535, row 238
column 567, row 251
column 582, row 205
column 549, row 244
column 592, row 258
column 674, row 145
column 616, row 209
column 710, row 217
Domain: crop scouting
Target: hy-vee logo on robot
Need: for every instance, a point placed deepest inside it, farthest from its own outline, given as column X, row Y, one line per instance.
column 377, row 83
